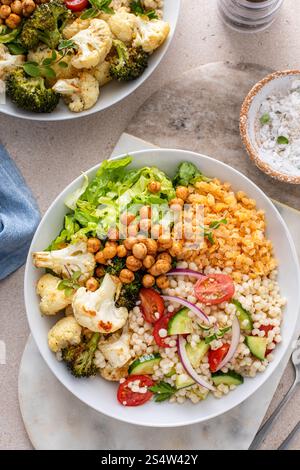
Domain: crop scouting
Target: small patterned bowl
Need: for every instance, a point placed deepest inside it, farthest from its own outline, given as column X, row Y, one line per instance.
column 269, row 85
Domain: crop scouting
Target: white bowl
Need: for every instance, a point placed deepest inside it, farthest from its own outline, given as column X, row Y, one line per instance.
column 273, row 83
column 113, row 92
column 100, row 394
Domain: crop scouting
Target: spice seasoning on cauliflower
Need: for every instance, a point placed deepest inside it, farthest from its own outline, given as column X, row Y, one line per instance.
column 53, row 300
column 64, row 333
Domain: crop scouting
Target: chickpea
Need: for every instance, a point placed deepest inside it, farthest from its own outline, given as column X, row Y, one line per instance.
column 111, row 243
column 176, row 249
column 93, row 245
column 92, row 284
column 133, row 230
column 133, row 263
column 148, row 261
column 182, row 192
column 145, row 212
column 164, row 243
column 126, row 276
column 151, row 246
column 148, row 280
column 28, row 6
column 109, row 252
column 16, row 7
column 13, row 21
column 176, row 204
column 127, row 218
column 156, row 231
column 100, row 271
column 165, row 256
column 113, row 234
column 100, row 258
column 162, row 282
column 129, row 242
column 121, row 251
column 160, row 267
column 145, row 225
column 154, row 186
column 139, row 250
column 5, row 11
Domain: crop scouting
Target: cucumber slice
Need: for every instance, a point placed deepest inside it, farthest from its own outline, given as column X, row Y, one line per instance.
column 228, row 378
column 196, row 353
column 183, row 381
column 180, row 323
column 172, row 372
column 244, row 317
column 145, row 364
column 257, row 346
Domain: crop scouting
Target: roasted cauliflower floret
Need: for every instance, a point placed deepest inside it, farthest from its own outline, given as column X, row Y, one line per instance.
column 102, row 73
column 122, row 25
column 75, row 26
column 94, row 43
column 116, row 350
column 67, row 261
column 43, row 52
column 150, row 34
column 8, row 62
column 79, row 93
column 53, row 300
column 111, row 373
column 97, row 310
column 64, row 333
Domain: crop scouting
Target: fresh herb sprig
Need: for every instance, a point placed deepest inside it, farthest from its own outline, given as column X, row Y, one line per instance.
column 282, row 140
column 217, row 334
column 162, row 391
column 208, row 232
column 264, row 119
column 45, row 68
column 69, row 285
column 97, row 7
column 137, row 8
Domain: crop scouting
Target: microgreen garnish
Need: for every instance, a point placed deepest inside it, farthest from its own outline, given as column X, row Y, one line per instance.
column 137, row 8
column 217, row 334
column 281, row 139
column 162, row 391
column 97, row 6
column 69, row 285
column 45, row 69
column 208, row 232
column 265, row 118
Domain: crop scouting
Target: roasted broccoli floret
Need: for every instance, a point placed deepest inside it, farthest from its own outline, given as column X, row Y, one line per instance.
column 80, row 358
column 116, row 266
column 129, row 293
column 45, row 25
column 30, row 93
column 128, row 63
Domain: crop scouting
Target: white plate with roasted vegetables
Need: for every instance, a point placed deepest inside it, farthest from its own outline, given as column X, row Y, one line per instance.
column 61, row 59
column 141, row 320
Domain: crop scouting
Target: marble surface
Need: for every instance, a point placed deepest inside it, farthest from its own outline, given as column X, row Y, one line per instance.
column 51, row 155
column 83, row 428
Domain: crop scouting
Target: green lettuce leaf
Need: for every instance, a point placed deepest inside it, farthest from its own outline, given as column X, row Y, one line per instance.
column 187, row 173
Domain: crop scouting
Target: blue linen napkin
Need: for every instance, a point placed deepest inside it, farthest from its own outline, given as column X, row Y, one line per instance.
column 19, row 216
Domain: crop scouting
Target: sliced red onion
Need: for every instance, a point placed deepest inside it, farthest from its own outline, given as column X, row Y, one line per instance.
column 235, row 339
column 185, row 272
column 181, row 342
column 197, row 311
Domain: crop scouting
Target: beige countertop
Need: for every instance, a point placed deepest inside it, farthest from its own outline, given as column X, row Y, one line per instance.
column 51, row 155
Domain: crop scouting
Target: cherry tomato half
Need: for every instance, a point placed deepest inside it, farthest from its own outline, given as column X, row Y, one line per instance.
column 129, row 398
column 162, row 323
column 266, row 328
column 76, row 5
column 214, row 289
column 151, row 303
column 215, row 357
